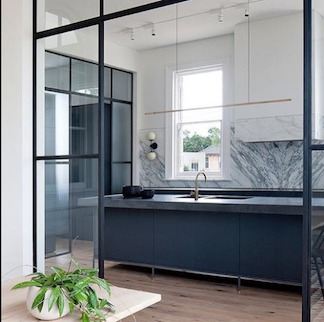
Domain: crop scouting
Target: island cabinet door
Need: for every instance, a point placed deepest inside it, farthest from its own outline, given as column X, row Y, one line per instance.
column 271, row 247
column 197, row 241
column 129, row 235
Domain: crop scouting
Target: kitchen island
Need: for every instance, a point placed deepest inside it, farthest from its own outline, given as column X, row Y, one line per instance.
column 257, row 238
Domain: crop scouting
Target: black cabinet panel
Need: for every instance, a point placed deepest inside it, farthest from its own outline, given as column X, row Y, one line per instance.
column 271, row 247
column 206, row 242
column 129, row 235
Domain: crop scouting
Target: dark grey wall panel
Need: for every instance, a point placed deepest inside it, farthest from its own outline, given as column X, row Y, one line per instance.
column 129, row 235
column 271, row 247
column 207, row 242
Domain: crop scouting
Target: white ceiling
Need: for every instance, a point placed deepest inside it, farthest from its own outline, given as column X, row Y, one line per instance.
column 195, row 22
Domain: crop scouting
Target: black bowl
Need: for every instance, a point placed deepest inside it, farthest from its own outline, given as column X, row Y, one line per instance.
column 132, row 191
column 147, row 194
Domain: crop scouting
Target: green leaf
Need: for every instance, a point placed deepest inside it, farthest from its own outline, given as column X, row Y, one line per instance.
column 27, row 284
column 58, row 271
column 81, row 296
column 99, row 314
column 61, row 304
column 49, row 281
column 82, row 284
column 103, row 303
column 39, row 299
column 93, row 299
column 89, row 271
column 71, row 306
column 54, row 296
column 85, row 317
column 75, row 263
column 102, row 283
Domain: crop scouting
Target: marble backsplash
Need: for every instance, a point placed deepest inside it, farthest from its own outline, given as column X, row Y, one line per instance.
column 268, row 165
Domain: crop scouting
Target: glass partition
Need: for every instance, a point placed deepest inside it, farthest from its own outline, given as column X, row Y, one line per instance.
column 67, row 147
column 317, row 211
column 317, row 227
column 57, row 13
column 112, row 6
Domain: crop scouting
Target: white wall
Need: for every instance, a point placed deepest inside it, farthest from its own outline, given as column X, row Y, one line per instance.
column 318, row 75
column 276, row 72
column 152, row 73
column 16, row 137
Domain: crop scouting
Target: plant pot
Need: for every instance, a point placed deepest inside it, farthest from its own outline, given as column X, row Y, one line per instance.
column 44, row 314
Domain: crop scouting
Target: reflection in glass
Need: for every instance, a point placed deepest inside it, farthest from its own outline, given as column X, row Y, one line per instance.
column 121, row 176
column 57, row 13
column 121, row 132
column 57, row 71
column 66, row 183
column 318, row 72
column 71, row 124
column 317, row 265
column 84, row 77
column 122, row 85
column 117, row 5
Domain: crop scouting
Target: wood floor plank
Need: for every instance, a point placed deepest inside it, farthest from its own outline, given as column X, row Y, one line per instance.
column 195, row 298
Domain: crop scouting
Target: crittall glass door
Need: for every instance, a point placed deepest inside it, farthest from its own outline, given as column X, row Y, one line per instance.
column 316, row 275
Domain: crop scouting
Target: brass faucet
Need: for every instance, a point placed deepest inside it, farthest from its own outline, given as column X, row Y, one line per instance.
column 196, row 193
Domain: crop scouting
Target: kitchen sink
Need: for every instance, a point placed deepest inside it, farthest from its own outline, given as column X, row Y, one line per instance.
column 230, row 197
column 191, row 197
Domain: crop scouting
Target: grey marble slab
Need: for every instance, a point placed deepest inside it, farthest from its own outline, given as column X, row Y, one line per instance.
column 266, row 165
column 262, row 205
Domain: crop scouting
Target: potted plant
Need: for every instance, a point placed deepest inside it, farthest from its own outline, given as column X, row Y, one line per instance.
column 55, row 295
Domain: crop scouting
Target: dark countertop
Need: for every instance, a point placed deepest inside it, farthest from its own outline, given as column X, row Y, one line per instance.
column 262, row 205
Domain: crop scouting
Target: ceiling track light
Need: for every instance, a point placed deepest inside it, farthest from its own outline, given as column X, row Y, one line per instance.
column 133, row 34
column 221, row 16
column 153, row 31
column 247, row 12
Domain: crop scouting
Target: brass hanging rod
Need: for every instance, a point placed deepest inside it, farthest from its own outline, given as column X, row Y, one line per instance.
column 222, row 106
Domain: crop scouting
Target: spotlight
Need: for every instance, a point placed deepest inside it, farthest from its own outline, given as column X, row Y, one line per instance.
column 132, row 34
column 247, row 12
column 153, row 31
column 221, row 16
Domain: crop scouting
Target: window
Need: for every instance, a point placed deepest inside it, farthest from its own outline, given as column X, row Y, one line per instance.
column 198, row 136
column 207, row 162
column 194, row 166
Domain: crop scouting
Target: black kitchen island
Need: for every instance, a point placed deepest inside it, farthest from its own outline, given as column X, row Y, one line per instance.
column 258, row 238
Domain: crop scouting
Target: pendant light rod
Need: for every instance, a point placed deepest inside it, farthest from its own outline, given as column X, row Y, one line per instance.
column 222, row 106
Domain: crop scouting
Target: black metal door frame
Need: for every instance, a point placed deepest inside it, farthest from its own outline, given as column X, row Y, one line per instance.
column 97, row 21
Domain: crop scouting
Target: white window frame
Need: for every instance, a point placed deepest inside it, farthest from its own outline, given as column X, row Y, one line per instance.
column 172, row 101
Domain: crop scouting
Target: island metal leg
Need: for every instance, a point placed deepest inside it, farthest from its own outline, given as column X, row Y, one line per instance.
column 153, row 273
column 239, row 284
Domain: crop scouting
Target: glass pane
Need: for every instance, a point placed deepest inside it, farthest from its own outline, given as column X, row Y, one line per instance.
column 85, row 77
column 71, row 124
column 70, row 221
column 199, row 147
column 201, row 88
column 107, row 82
column 317, row 264
column 67, row 123
column 121, row 132
column 122, row 85
column 57, row 71
column 117, row 5
column 57, row 13
column 318, row 73
column 121, row 176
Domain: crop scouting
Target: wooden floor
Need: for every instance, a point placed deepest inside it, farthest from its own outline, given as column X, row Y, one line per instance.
column 195, row 298
column 188, row 297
